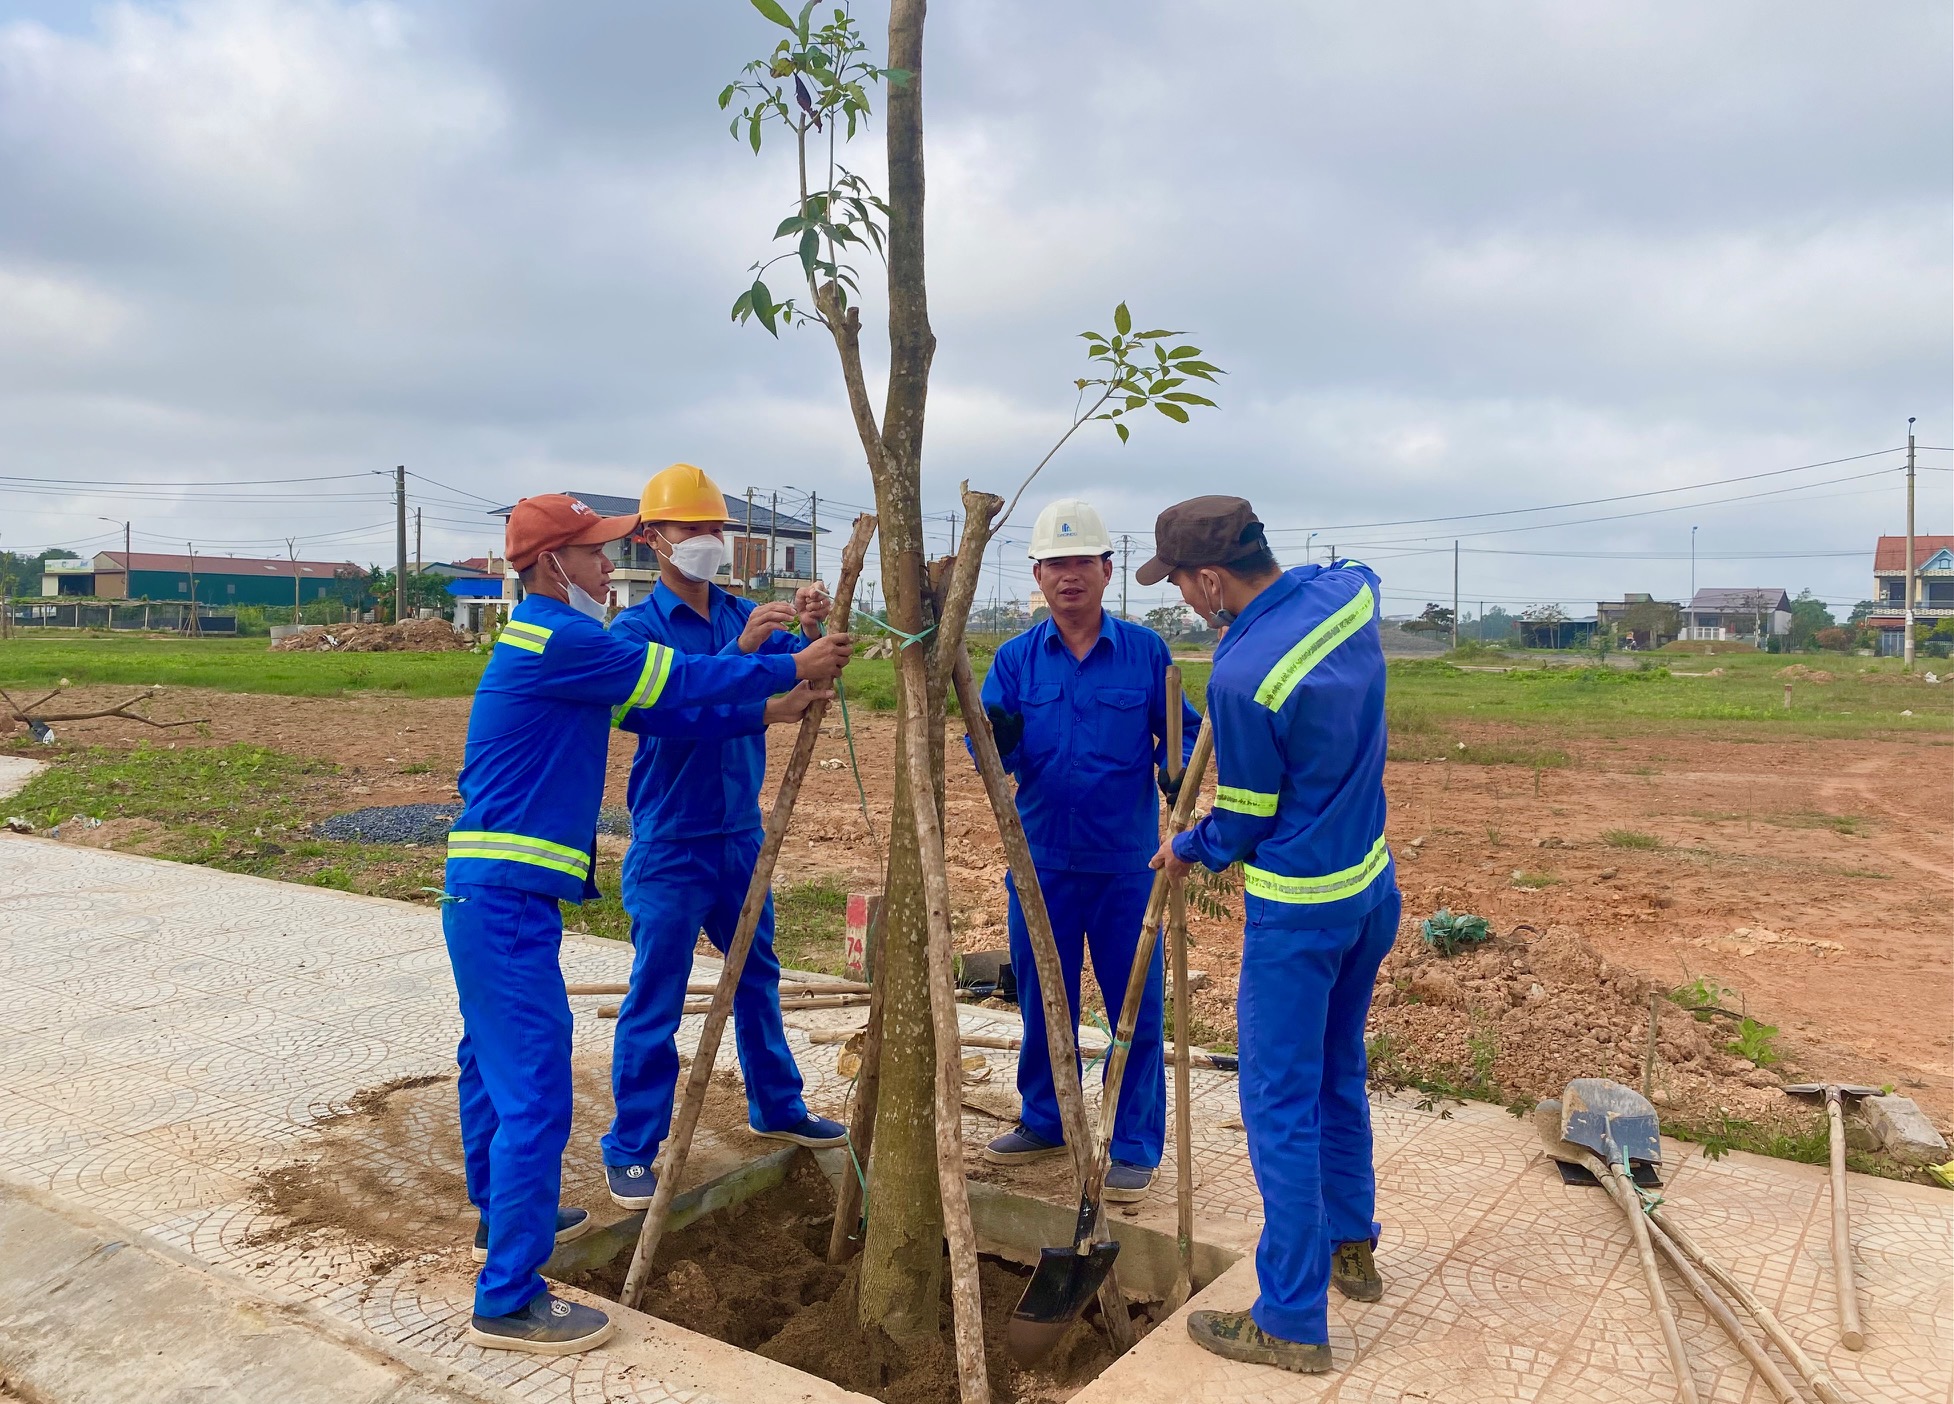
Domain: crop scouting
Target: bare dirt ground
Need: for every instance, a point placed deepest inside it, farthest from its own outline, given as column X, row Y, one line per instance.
column 1809, row 877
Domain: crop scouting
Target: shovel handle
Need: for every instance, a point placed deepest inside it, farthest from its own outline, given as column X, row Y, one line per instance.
column 1672, row 1337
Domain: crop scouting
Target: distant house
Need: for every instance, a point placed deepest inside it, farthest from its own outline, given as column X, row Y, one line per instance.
column 1933, row 591
column 217, row 580
column 767, row 550
column 1640, row 621
column 1748, row 614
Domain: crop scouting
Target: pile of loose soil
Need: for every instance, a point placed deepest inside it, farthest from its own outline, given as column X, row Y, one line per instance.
column 757, row 1276
column 1798, row 672
column 1524, row 1017
column 409, row 636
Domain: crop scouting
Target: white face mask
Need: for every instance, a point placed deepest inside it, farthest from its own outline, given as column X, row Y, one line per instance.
column 698, row 557
column 581, row 600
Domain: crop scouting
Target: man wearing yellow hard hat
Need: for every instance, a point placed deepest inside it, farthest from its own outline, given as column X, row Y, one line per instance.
column 695, row 835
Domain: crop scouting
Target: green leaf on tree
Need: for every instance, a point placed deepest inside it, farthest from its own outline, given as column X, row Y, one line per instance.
column 1121, row 430
column 1122, row 320
column 1183, row 397
column 771, row 9
column 1173, row 412
column 1181, row 353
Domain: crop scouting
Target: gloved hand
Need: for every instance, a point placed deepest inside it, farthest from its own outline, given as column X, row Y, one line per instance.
column 1170, row 785
column 1007, row 727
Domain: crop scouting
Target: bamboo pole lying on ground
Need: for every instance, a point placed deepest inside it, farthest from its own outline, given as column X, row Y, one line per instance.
column 1060, row 1037
column 671, row 1162
column 1197, row 1057
column 789, row 989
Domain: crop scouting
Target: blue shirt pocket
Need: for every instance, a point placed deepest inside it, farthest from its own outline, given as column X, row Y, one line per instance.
column 1116, row 720
column 1043, row 707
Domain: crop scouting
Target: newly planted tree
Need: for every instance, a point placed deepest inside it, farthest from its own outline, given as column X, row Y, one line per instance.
column 817, row 88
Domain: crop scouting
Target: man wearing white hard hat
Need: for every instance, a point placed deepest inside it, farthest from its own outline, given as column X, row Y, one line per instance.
column 1079, row 705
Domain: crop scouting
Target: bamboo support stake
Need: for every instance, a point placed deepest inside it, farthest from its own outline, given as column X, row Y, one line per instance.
column 671, row 1162
column 1196, row 1057
column 1060, row 1038
column 861, row 1117
column 958, row 1229
column 1183, row 1111
column 1851, row 1335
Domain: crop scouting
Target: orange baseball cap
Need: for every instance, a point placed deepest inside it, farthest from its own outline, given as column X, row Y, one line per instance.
column 553, row 519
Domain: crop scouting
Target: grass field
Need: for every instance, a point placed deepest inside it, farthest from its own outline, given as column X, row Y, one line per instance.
column 231, row 665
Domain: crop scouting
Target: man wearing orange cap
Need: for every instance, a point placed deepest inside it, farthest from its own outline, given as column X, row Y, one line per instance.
column 531, row 781
column 695, row 836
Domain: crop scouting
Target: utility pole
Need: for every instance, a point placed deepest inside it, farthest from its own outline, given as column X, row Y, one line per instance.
column 196, row 628
column 1692, row 581
column 419, row 559
column 1480, row 627
column 1125, row 550
column 953, row 533
column 1455, row 594
column 1908, row 577
column 814, row 535
column 292, row 550
column 400, row 543
column 773, row 541
column 746, row 567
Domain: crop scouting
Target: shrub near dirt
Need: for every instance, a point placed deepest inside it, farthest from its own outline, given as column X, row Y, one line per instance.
column 410, row 636
column 1520, row 1017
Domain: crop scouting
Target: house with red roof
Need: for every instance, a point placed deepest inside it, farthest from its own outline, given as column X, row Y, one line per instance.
column 1933, row 588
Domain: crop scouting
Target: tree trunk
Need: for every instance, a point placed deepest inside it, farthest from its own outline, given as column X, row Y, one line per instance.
column 902, row 1252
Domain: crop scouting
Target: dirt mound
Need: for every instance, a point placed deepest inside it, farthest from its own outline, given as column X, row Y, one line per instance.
column 1798, row 672
column 1517, row 1019
column 757, row 1275
column 411, row 636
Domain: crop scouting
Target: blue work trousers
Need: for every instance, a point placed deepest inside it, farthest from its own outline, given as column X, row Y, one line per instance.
column 672, row 889
column 1104, row 911
column 1300, row 1011
column 515, row 1078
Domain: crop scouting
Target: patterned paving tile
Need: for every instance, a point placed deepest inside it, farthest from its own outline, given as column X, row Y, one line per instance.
column 168, row 1033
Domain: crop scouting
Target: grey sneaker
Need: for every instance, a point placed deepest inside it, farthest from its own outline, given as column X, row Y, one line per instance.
column 548, row 1325
column 1235, row 1336
column 570, row 1224
column 1128, row 1184
column 1017, row 1146
column 815, row 1132
column 631, row 1186
column 1355, row 1272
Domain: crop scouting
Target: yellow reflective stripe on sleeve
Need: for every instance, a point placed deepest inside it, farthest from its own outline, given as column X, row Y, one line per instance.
column 651, row 682
column 1331, row 887
column 538, row 632
column 1244, row 801
column 521, row 641
column 1295, row 664
column 518, row 848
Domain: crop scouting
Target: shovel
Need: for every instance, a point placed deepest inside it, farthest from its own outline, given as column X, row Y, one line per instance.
column 1067, row 1278
column 1619, row 1125
column 1851, row 1334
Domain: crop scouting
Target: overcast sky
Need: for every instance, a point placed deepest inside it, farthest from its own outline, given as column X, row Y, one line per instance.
column 1456, row 257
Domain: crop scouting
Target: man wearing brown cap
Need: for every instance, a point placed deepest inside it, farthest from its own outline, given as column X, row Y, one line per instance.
column 1297, row 702
column 531, row 781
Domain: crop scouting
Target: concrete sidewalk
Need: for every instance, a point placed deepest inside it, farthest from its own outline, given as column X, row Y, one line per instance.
column 168, row 1033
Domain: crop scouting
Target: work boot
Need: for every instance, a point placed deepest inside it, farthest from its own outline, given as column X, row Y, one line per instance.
column 1017, row 1146
column 1128, row 1184
column 815, row 1132
column 631, row 1186
column 1235, row 1336
column 1354, row 1271
column 546, row 1326
column 570, row 1224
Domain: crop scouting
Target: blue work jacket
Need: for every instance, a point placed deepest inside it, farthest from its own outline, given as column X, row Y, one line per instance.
column 698, row 770
column 1297, row 701
column 532, row 775
column 1094, row 729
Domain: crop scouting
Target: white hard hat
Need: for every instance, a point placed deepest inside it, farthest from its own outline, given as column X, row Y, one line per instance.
column 1069, row 527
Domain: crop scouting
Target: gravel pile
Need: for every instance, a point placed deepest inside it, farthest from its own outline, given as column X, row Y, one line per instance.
column 426, row 823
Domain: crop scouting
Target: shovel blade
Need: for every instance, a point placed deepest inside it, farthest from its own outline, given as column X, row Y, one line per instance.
column 1061, row 1286
column 1611, row 1120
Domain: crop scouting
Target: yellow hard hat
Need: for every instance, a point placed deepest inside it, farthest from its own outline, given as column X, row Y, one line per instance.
column 682, row 493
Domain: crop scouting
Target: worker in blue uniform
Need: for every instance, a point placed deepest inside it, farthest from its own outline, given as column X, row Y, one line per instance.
column 1297, row 705
column 531, row 781
column 1078, row 704
column 695, row 836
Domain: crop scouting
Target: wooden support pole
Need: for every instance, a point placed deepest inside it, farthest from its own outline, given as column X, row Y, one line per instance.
column 861, row 1116
column 671, row 1162
column 1183, row 1012
column 1060, row 1041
